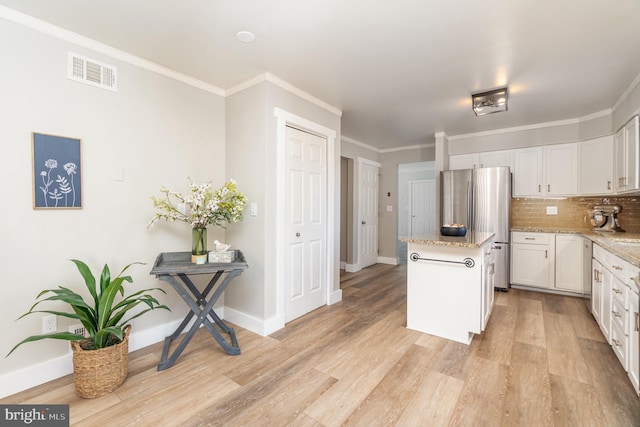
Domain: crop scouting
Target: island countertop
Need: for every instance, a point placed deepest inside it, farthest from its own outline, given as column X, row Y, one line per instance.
column 471, row 240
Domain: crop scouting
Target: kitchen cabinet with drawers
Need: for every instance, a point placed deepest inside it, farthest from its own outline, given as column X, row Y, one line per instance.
column 615, row 298
column 559, row 262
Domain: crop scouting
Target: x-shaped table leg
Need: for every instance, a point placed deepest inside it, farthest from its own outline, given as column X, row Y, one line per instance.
column 203, row 310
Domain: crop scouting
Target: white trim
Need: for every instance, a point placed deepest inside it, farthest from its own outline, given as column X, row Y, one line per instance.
column 387, row 260
column 285, row 118
column 408, row 147
column 30, row 376
column 596, row 115
column 627, row 92
column 74, row 38
column 335, row 297
column 515, row 129
column 261, row 327
column 271, row 78
column 342, row 265
column 352, row 268
column 361, row 144
column 366, row 161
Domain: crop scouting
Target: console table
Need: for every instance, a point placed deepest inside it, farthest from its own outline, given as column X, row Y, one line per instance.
column 175, row 269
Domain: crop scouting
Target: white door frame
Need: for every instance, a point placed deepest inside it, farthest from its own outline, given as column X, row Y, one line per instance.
column 285, row 118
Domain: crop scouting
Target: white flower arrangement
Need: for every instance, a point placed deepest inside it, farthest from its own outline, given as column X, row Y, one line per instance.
column 204, row 206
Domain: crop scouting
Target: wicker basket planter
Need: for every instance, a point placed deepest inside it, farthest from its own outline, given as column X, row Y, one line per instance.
column 99, row 372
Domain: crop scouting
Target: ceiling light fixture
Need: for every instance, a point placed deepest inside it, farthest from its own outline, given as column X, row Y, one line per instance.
column 493, row 101
column 246, row 36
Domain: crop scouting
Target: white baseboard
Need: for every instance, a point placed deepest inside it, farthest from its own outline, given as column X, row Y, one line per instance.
column 253, row 324
column 342, row 265
column 387, row 260
column 334, row 297
column 31, row 376
column 352, row 268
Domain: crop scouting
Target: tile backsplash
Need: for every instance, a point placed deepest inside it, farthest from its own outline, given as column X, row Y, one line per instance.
column 573, row 212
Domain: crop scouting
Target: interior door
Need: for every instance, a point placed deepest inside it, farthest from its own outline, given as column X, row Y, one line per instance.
column 368, row 210
column 306, row 223
column 422, row 213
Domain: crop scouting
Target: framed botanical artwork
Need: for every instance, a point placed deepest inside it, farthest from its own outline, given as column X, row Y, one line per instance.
column 57, row 172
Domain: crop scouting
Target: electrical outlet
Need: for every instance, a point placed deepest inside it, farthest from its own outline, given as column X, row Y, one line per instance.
column 552, row 210
column 78, row 329
column 49, row 324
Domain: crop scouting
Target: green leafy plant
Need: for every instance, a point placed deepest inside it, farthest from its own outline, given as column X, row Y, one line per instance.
column 102, row 318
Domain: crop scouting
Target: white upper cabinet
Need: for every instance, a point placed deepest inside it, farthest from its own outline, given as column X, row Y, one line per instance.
column 486, row 159
column 561, row 169
column 596, row 166
column 627, row 148
column 464, row 161
column 551, row 170
column 527, row 172
column 491, row 159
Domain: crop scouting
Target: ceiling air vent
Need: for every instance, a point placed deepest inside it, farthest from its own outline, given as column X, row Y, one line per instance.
column 92, row 72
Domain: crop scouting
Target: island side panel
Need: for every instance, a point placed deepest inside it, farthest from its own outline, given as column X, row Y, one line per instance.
column 445, row 299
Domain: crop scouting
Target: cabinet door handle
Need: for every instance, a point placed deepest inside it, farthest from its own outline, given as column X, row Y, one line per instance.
column 539, row 188
column 615, row 313
column 637, row 320
column 616, row 342
column 617, row 291
column 608, row 185
column 548, row 187
column 545, row 253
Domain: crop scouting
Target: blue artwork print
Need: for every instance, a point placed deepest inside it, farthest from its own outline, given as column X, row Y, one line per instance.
column 57, row 172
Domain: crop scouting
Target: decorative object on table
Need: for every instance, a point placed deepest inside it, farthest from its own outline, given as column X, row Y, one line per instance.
column 221, row 247
column 100, row 362
column 203, row 207
column 453, row 230
column 57, row 173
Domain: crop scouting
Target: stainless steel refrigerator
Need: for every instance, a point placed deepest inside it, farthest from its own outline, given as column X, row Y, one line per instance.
column 480, row 199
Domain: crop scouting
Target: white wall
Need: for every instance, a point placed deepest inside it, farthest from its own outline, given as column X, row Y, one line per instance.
column 251, row 159
column 160, row 131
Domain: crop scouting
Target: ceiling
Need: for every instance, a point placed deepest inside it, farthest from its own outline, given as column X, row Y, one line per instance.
column 400, row 70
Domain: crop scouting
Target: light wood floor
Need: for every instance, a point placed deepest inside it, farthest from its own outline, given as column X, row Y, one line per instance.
column 541, row 362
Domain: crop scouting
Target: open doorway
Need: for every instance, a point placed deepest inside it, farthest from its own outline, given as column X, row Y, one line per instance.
column 416, row 203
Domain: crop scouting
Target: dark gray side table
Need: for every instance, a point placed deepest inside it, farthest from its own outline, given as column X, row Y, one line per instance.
column 175, row 269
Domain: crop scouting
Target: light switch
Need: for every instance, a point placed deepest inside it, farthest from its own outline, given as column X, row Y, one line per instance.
column 254, row 209
column 552, row 210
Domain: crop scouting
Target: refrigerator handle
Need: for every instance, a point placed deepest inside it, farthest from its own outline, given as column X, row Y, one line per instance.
column 469, row 224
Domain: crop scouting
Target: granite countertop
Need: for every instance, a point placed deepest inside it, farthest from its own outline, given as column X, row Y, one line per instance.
column 471, row 240
column 624, row 245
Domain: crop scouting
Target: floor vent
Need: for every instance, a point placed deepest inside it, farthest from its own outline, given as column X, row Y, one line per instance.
column 92, row 72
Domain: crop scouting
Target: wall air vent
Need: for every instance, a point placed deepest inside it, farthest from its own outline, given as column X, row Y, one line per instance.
column 92, row 72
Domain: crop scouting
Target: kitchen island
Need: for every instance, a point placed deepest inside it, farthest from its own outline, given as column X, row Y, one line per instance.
column 449, row 285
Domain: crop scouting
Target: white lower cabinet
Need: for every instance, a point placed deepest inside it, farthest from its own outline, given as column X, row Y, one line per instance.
column 634, row 336
column 532, row 261
column 614, row 306
column 551, row 261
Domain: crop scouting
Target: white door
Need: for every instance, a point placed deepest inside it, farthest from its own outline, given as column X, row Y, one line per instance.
column 306, row 222
column 422, row 195
column 368, row 210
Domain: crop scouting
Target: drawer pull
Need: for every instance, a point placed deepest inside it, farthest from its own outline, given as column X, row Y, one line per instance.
column 616, row 342
column 617, row 291
column 529, row 238
column 637, row 321
column 615, row 313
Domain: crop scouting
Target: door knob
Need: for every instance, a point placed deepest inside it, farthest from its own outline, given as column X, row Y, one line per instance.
column 297, row 234
column 364, row 222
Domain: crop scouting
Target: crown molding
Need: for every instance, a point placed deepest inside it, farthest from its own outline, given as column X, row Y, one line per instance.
column 361, row 144
column 408, row 147
column 626, row 93
column 271, row 78
column 46, row 28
